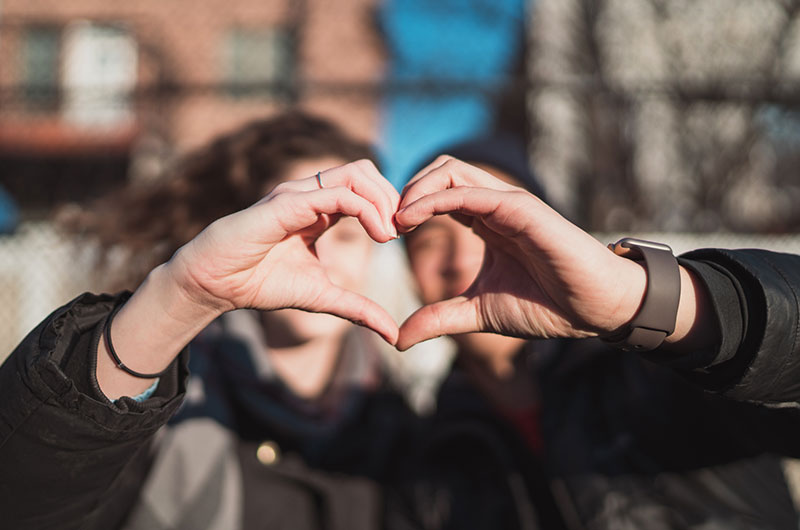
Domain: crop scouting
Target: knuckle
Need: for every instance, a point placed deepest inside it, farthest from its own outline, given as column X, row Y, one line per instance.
column 452, row 162
column 361, row 166
column 365, row 164
column 453, row 168
column 281, row 188
column 522, row 195
column 279, row 199
column 370, row 166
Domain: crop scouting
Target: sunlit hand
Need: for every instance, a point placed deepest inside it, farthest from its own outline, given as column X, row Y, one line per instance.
column 541, row 275
column 264, row 257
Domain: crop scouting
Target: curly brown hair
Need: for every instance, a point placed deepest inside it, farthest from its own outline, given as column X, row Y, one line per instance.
column 149, row 222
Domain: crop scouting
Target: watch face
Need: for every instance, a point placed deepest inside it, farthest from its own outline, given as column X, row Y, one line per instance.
column 630, row 242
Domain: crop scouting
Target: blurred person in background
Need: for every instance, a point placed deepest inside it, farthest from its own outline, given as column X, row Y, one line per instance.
column 575, row 433
column 289, row 420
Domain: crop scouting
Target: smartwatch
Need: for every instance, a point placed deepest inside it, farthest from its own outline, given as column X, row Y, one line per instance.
column 656, row 317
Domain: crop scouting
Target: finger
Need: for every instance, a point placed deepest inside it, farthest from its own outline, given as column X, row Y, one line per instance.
column 372, row 172
column 511, row 211
column 449, row 317
column 298, row 211
column 515, row 216
column 363, row 178
column 452, row 173
column 438, row 162
column 357, row 309
column 324, row 221
column 441, row 159
column 387, row 210
column 434, row 175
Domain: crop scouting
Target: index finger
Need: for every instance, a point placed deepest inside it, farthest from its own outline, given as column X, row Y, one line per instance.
column 364, row 178
column 507, row 212
column 441, row 159
column 452, row 173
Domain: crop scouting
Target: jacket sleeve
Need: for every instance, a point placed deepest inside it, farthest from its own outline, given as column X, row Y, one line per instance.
column 69, row 457
column 754, row 294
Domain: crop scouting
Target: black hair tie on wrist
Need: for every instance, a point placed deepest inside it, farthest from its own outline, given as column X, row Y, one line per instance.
column 117, row 360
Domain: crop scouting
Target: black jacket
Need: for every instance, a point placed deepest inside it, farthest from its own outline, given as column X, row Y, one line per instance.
column 628, row 443
column 71, row 459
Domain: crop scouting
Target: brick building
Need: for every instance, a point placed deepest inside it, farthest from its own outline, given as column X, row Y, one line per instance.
column 93, row 92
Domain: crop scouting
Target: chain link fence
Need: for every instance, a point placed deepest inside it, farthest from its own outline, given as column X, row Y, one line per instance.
column 669, row 114
column 39, row 271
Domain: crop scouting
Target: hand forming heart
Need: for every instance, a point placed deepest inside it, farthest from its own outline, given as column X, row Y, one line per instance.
column 541, row 275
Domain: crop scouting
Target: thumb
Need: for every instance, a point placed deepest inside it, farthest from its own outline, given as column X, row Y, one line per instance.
column 357, row 309
column 448, row 317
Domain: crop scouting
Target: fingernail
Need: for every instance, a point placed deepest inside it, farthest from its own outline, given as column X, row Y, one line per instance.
column 395, row 221
column 390, row 229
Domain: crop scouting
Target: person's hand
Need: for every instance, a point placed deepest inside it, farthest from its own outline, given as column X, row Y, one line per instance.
column 264, row 258
column 541, row 276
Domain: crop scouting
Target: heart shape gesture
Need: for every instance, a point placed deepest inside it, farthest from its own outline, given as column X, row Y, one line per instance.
column 541, row 276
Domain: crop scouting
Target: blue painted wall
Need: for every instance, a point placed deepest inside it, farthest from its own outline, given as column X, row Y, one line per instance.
column 9, row 214
column 464, row 41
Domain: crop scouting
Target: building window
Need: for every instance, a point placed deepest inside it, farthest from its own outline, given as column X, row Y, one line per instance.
column 99, row 75
column 40, row 58
column 259, row 63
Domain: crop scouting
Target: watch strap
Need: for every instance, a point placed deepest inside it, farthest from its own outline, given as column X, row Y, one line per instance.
column 656, row 317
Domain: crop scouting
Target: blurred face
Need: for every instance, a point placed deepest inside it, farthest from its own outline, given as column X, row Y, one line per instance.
column 445, row 258
column 344, row 251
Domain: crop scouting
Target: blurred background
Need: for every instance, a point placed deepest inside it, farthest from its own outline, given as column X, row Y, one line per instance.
column 641, row 116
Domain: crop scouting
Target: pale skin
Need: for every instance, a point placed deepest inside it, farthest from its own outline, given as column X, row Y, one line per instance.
column 542, row 276
column 446, row 257
column 263, row 258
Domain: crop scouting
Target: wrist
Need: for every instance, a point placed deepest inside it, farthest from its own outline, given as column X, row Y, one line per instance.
column 152, row 328
column 181, row 277
column 657, row 314
column 687, row 309
column 183, row 302
column 696, row 327
column 632, row 277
